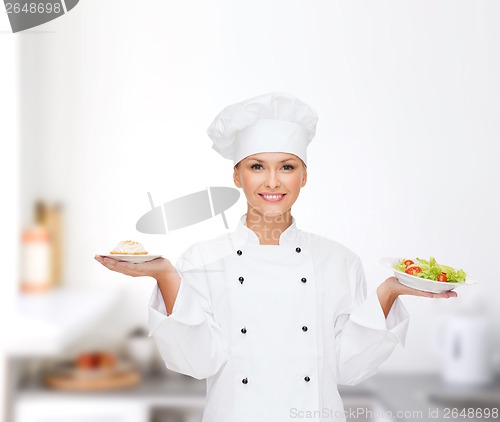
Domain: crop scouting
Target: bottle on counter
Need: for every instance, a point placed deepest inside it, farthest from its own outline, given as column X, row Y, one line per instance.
column 53, row 222
column 36, row 255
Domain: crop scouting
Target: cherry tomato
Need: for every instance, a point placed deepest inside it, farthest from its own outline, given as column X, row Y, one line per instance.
column 413, row 270
column 408, row 262
column 86, row 361
column 442, row 277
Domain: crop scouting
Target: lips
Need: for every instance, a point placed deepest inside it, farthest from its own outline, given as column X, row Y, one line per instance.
column 272, row 197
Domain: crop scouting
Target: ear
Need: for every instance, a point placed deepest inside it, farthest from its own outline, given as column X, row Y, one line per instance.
column 236, row 177
column 304, row 176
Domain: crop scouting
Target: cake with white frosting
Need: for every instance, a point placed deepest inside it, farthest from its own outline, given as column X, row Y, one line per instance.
column 129, row 247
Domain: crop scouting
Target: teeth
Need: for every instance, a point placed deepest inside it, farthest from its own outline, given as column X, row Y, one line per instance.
column 272, row 196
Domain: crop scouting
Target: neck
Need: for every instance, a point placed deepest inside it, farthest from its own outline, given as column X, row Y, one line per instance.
column 268, row 228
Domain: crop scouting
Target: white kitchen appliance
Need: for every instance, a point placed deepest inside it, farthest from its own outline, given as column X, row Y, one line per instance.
column 465, row 345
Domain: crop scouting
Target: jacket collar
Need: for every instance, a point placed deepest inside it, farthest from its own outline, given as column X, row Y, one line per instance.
column 243, row 235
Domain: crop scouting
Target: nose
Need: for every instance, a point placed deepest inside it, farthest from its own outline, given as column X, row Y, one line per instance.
column 272, row 181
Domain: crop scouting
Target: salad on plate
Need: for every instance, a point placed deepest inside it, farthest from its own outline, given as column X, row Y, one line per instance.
column 431, row 270
column 427, row 275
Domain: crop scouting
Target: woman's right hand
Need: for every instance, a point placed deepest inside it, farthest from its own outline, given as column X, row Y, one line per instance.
column 155, row 268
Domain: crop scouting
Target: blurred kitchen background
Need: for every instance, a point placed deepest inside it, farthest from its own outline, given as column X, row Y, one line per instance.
column 112, row 100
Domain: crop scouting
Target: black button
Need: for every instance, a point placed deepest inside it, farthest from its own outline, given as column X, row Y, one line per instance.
column 241, row 280
column 306, row 378
column 304, row 328
column 303, row 279
column 239, row 252
column 243, row 330
column 244, row 381
column 297, row 250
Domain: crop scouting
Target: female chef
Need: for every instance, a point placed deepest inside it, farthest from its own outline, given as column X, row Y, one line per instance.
column 274, row 318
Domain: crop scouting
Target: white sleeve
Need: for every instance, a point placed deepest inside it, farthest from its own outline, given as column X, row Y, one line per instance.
column 189, row 340
column 364, row 337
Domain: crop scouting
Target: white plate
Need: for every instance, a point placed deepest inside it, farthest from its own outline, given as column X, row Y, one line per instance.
column 422, row 283
column 136, row 259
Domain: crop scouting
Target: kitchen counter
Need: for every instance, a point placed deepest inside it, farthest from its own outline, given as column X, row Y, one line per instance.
column 46, row 324
column 426, row 398
column 167, row 391
column 405, row 398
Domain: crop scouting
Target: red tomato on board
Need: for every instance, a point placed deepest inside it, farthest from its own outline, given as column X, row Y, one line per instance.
column 97, row 359
column 86, row 361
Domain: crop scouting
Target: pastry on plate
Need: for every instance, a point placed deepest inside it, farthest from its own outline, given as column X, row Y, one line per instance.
column 129, row 247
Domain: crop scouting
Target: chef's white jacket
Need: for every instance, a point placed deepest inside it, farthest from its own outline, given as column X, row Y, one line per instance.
column 274, row 328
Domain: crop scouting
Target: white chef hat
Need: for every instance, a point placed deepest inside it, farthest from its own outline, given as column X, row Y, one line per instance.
column 273, row 122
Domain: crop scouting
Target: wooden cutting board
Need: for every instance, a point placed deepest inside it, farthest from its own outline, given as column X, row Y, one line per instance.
column 107, row 381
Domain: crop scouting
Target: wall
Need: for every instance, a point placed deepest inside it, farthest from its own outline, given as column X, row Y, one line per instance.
column 116, row 99
column 10, row 194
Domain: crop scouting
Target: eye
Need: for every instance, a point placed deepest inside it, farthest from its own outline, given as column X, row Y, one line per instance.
column 290, row 167
column 253, row 166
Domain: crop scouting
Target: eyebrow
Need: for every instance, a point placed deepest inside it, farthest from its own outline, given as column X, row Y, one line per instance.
column 284, row 161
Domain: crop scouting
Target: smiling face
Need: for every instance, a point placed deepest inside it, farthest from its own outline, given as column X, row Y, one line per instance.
column 271, row 182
